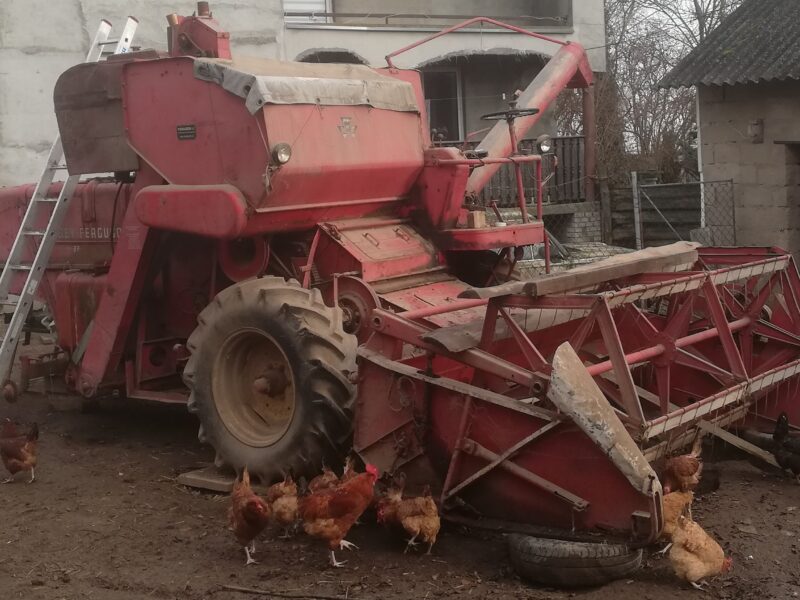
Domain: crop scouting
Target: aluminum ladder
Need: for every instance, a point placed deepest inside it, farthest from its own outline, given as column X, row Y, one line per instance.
column 40, row 205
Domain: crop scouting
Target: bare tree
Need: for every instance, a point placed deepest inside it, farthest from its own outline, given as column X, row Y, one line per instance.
column 689, row 21
column 641, row 125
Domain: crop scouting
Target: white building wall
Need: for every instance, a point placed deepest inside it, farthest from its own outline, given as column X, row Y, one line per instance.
column 39, row 39
column 375, row 43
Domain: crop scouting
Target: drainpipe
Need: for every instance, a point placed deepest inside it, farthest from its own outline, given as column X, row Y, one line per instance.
column 700, row 158
column 590, row 143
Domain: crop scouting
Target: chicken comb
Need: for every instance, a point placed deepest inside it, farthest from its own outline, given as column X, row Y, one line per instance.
column 372, row 470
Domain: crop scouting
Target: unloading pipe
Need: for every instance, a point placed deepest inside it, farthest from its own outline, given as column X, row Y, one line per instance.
column 558, row 74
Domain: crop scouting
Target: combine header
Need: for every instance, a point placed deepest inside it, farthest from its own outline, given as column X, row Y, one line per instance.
column 276, row 248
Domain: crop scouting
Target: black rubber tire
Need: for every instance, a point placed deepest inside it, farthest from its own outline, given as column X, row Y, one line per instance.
column 561, row 563
column 322, row 358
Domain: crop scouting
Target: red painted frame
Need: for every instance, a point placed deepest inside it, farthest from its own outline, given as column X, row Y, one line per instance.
column 720, row 343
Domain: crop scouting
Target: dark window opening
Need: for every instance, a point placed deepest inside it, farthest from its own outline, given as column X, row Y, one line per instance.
column 443, row 102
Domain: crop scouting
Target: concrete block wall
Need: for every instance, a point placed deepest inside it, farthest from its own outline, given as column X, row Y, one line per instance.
column 577, row 223
column 40, row 39
column 765, row 175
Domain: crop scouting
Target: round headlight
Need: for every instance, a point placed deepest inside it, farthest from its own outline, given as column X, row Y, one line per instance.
column 544, row 143
column 281, row 153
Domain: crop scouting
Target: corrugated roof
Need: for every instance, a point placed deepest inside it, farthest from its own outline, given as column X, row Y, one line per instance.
column 759, row 41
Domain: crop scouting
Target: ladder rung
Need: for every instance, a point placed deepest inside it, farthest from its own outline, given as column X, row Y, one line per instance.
column 21, row 267
column 58, row 167
column 108, row 43
column 47, row 199
column 34, row 232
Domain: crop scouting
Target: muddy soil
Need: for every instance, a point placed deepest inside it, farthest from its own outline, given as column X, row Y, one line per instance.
column 105, row 519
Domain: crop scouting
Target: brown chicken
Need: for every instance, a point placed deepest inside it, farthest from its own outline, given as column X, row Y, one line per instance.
column 248, row 515
column 323, row 481
column 419, row 516
column 18, row 452
column 676, row 505
column 682, row 473
column 695, row 555
column 330, row 513
column 282, row 499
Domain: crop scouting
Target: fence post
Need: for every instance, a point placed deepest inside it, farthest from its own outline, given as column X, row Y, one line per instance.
column 605, row 209
column 589, row 144
column 637, row 213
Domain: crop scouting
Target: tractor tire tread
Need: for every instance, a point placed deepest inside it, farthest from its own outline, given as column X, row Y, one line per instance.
column 571, row 564
column 329, row 359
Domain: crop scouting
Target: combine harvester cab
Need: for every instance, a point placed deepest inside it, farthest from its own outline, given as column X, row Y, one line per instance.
column 264, row 255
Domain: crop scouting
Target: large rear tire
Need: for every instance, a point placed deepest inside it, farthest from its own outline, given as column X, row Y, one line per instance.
column 269, row 378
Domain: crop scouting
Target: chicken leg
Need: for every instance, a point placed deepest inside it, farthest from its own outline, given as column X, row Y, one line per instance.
column 663, row 552
column 33, row 476
column 699, row 586
column 8, row 479
column 248, row 550
column 336, row 563
column 411, row 543
column 343, row 545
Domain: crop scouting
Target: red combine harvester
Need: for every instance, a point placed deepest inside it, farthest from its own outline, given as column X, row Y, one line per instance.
column 277, row 248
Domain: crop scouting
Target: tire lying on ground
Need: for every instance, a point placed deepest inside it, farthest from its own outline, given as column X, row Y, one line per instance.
column 269, row 379
column 561, row 563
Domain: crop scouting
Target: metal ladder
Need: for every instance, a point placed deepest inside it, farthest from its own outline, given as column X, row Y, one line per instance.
column 40, row 205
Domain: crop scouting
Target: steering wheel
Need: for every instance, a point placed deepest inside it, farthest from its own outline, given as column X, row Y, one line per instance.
column 512, row 113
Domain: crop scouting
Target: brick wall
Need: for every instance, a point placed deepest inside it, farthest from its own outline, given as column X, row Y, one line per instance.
column 766, row 175
column 574, row 223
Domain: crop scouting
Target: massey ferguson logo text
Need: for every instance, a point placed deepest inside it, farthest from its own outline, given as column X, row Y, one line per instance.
column 89, row 233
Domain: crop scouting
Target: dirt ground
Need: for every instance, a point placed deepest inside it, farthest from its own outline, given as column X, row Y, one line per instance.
column 105, row 519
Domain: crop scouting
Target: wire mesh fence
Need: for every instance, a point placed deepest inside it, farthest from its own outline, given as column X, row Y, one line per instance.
column 696, row 211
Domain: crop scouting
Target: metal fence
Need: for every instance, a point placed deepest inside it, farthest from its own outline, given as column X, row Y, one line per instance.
column 562, row 174
column 697, row 211
column 626, row 219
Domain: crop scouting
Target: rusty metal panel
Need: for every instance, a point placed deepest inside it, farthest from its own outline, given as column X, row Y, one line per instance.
column 435, row 294
column 88, row 104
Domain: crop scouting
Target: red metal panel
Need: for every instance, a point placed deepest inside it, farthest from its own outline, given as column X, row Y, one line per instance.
column 492, row 237
column 339, row 153
column 219, row 142
column 381, row 250
column 440, row 189
column 343, row 153
column 217, row 211
column 86, row 238
column 78, row 296
column 132, row 261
